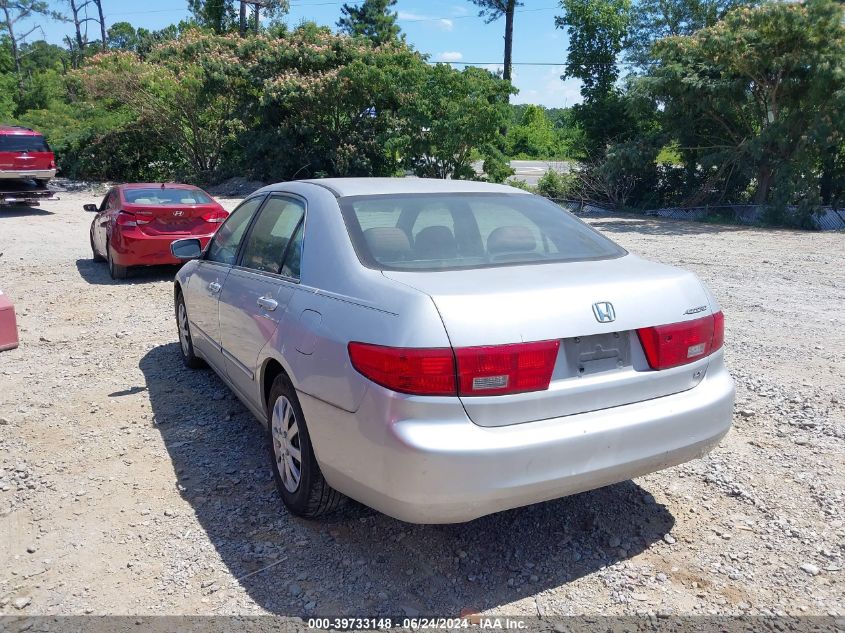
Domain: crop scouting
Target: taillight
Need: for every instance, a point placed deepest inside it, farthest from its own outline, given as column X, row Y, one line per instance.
column 423, row 371
column 500, row 369
column 124, row 218
column 216, row 216
column 468, row 371
column 143, row 217
column 677, row 344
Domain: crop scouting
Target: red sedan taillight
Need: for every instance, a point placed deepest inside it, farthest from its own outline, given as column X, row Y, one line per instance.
column 677, row 344
column 124, row 218
column 215, row 217
column 466, row 371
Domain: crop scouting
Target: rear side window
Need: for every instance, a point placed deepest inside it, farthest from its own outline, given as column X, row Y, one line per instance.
column 158, row 195
column 23, row 143
column 464, row 231
column 275, row 238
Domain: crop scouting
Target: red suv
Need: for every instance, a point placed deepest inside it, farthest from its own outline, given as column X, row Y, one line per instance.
column 25, row 155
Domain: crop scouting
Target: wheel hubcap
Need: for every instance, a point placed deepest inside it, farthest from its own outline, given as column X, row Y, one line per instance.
column 286, row 447
column 184, row 334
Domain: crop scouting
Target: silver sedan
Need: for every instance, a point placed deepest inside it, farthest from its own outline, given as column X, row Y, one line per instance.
column 441, row 350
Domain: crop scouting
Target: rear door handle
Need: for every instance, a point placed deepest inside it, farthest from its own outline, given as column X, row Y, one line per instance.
column 214, row 287
column 267, row 304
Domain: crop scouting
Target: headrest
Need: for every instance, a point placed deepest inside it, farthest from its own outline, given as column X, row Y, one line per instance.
column 435, row 242
column 389, row 244
column 511, row 239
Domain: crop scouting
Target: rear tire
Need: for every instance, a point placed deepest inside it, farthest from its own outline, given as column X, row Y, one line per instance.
column 115, row 270
column 186, row 343
column 304, row 490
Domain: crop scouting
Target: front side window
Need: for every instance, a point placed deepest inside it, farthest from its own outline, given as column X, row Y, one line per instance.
column 226, row 242
column 451, row 231
column 274, row 242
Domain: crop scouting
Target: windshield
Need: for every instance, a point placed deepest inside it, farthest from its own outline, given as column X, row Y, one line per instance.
column 459, row 231
column 157, row 195
column 23, row 143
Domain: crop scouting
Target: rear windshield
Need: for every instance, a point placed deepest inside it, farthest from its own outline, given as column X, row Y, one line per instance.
column 460, row 231
column 158, row 195
column 23, row 143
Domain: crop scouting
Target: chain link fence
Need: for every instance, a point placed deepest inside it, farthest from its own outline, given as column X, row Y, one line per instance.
column 745, row 214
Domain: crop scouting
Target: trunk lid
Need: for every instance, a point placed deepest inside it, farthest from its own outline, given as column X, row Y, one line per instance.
column 599, row 365
column 173, row 219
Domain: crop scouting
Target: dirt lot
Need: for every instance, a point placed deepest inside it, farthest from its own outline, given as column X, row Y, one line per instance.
column 130, row 485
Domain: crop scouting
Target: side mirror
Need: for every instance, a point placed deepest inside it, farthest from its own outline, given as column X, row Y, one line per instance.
column 91, row 207
column 188, row 248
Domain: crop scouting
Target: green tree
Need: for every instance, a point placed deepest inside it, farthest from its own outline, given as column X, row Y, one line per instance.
column 597, row 31
column 217, row 15
column 15, row 17
column 653, row 20
column 123, row 36
column 755, row 99
column 372, row 19
column 534, row 135
column 492, row 10
column 451, row 114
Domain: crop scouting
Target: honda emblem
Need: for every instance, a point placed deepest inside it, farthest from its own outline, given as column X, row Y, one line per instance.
column 604, row 312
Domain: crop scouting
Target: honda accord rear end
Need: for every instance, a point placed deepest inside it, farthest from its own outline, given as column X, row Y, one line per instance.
column 528, row 358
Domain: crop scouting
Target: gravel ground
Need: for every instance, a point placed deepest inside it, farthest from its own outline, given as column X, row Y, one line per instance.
column 130, row 485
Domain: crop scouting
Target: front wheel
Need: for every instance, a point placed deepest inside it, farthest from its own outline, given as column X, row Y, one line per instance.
column 304, row 491
column 186, row 343
column 116, row 271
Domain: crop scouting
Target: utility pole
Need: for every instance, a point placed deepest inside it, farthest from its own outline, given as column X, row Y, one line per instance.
column 257, row 5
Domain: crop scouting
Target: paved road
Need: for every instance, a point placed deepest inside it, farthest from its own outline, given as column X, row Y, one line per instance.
column 531, row 170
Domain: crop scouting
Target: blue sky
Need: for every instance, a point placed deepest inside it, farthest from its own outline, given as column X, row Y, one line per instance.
column 448, row 30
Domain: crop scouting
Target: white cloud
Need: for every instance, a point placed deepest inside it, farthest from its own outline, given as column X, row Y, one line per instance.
column 549, row 90
column 450, row 56
column 444, row 24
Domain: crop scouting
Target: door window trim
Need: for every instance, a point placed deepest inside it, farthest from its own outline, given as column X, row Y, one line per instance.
column 302, row 222
column 204, row 256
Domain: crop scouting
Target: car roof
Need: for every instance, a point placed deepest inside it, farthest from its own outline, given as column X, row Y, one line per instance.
column 156, row 185
column 342, row 187
column 18, row 130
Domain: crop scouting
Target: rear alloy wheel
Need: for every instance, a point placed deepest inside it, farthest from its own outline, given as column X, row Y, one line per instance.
column 186, row 343
column 304, row 491
column 115, row 271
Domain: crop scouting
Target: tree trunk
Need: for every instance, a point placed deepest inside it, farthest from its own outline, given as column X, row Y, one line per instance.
column 99, row 4
column 13, row 43
column 764, row 183
column 506, row 73
column 242, row 21
column 257, row 16
column 826, row 179
column 75, row 11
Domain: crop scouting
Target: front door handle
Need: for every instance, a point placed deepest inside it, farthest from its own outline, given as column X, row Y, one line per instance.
column 214, row 287
column 266, row 303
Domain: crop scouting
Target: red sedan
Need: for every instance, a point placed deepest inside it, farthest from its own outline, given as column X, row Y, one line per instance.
column 136, row 223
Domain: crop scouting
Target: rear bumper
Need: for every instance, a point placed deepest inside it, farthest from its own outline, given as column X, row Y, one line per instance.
column 445, row 469
column 8, row 324
column 26, row 174
column 133, row 248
